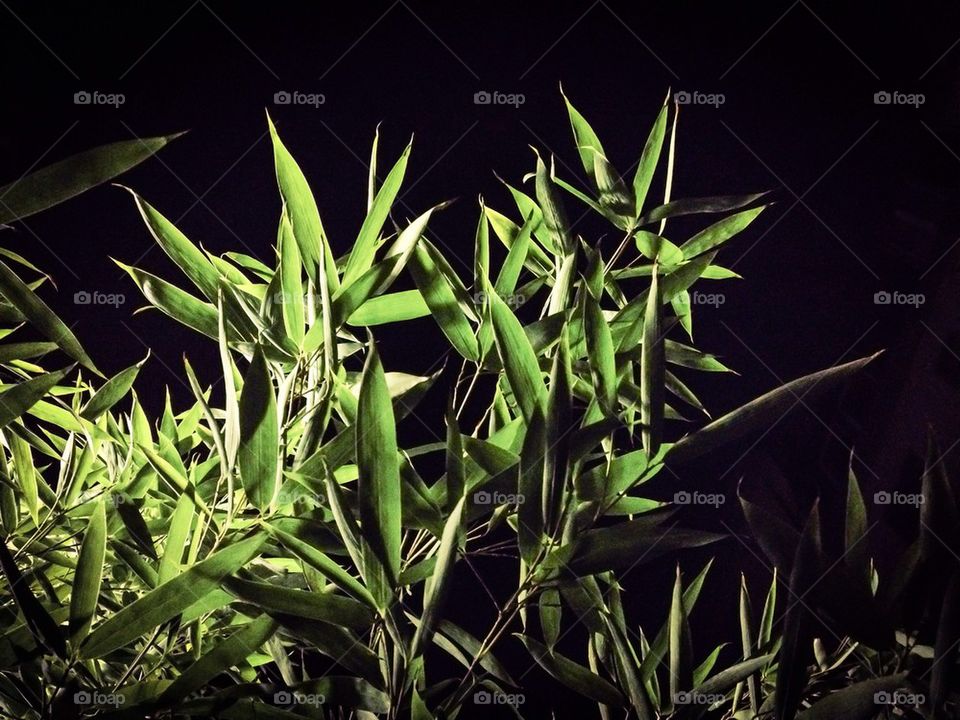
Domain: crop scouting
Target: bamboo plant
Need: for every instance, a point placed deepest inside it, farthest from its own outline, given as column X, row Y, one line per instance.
column 272, row 550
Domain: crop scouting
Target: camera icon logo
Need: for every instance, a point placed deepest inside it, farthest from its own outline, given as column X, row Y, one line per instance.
column 682, row 97
column 482, row 497
column 482, row 97
column 82, row 297
column 82, row 698
column 282, row 698
column 282, row 97
column 882, row 97
column 482, row 697
column 82, row 98
column 882, row 298
column 882, row 497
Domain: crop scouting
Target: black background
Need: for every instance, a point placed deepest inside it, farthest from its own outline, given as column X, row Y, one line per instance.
column 866, row 194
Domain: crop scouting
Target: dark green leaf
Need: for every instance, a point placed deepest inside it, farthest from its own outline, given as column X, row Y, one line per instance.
column 761, row 412
column 169, row 599
column 70, row 177
column 259, row 434
column 88, row 576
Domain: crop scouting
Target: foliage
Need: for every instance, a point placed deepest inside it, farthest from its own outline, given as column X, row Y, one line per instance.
column 273, row 547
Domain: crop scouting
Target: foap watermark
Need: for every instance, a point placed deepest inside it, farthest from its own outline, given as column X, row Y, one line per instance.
column 496, row 97
column 899, row 697
column 118, row 498
column 883, row 497
column 693, row 697
column 702, row 298
column 714, row 500
column 885, row 297
column 485, row 697
column 695, row 97
column 95, row 97
column 484, row 497
column 896, row 97
column 297, row 492
column 293, row 697
column 86, row 297
column 513, row 300
column 296, row 97
column 100, row 699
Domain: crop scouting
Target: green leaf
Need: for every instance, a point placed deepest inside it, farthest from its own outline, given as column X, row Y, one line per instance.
column 378, row 486
column 302, row 603
column 854, row 702
column 603, row 366
column 747, row 643
column 554, row 215
column 169, row 599
column 728, row 677
column 481, row 251
column 652, row 363
column 680, row 649
column 26, row 474
column 509, row 273
column 25, row 350
column 629, row 542
column 111, row 392
column 769, row 609
column 719, row 232
column 188, row 257
column 530, row 515
column 290, row 283
column 339, row 644
column 456, row 475
column 437, row 586
column 390, row 308
column 584, row 137
column 178, row 304
column 88, row 576
column 378, row 279
column 323, row 564
column 227, row 654
column 42, row 317
column 464, row 647
column 70, row 177
column 762, row 411
column 518, row 358
column 259, row 434
column 301, row 208
column 627, row 670
column 658, row 648
column 177, row 534
column 695, row 206
column 656, row 247
column 440, row 296
column 613, row 196
column 43, row 628
column 650, row 158
column 231, row 407
column 573, row 676
column 534, row 258
column 18, row 399
column 364, row 248
column 702, row 670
